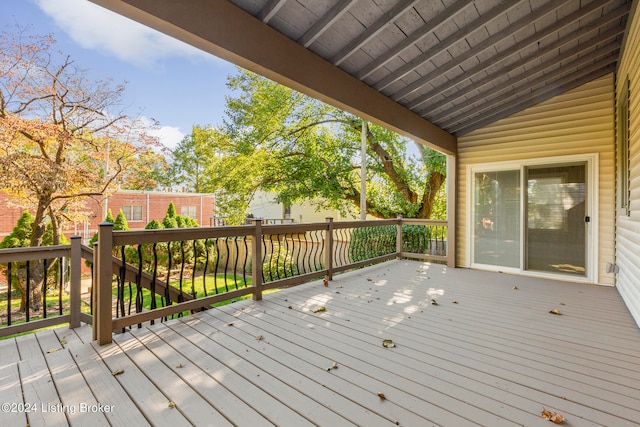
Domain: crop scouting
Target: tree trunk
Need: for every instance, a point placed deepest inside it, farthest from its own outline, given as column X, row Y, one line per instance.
column 435, row 181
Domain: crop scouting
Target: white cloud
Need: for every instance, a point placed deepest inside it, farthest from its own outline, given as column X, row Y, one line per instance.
column 169, row 136
column 94, row 27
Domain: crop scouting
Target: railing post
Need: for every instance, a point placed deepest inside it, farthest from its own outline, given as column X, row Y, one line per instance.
column 328, row 252
column 75, row 288
column 399, row 237
column 256, row 265
column 102, row 315
column 452, row 195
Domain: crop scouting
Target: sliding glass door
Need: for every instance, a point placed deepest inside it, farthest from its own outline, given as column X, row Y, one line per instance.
column 531, row 217
column 556, row 219
column 497, row 218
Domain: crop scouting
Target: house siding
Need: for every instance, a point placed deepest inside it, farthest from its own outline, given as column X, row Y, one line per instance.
column 628, row 227
column 579, row 122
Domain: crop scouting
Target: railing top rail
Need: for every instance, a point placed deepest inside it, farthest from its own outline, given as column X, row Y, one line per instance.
column 33, row 253
column 166, row 235
column 367, row 223
column 419, row 221
column 128, row 237
column 294, row 228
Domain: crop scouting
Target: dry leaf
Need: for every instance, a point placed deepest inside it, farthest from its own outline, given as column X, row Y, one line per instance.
column 117, row 372
column 554, row 417
column 319, row 309
column 290, row 308
column 515, row 288
column 53, row 350
column 434, row 302
column 171, row 404
column 555, row 311
column 180, row 366
column 230, row 324
column 259, row 337
column 325, row 282
column 381, row 395
column 388, row 344
column 63, row 341
column 334, row 366
column 454, row 302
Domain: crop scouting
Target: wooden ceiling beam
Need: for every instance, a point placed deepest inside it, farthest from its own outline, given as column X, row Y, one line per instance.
column 481, row 69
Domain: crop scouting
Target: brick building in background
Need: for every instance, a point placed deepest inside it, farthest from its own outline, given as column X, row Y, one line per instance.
column 139, row 207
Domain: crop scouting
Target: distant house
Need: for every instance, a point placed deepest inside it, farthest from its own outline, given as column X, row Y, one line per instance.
column 138, row 207
column 264, row 206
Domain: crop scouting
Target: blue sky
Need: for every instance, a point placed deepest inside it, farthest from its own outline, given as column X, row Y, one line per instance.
column 167, row 80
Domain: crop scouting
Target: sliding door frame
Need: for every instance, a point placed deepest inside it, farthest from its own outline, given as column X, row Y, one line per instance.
column 592, row 182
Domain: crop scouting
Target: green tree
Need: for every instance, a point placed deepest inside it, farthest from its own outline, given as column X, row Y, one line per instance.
column 62, row 136
column 121, row 222
column 190, row 158
column 278, row 140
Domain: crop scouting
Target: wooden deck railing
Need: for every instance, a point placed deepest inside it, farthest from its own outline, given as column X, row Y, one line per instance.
column 50, row 268
column 153, row 275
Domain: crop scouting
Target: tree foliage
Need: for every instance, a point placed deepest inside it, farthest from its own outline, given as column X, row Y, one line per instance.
column 62, row 136
column 278, row 140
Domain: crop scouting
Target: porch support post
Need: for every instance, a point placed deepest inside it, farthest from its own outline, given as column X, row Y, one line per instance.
column 256, row 256
column 102, row 316
column 452, row 194
column 94, row 290
column 76, row 282
column 328, row 249
column 399, row 237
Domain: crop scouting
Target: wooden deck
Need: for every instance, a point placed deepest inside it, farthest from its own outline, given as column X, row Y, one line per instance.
column 487, row 354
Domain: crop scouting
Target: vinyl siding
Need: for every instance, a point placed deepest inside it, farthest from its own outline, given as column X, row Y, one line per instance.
column 578, row 122
column 628, row 227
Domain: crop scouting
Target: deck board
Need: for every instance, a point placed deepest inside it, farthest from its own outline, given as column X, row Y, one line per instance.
column 495, row 357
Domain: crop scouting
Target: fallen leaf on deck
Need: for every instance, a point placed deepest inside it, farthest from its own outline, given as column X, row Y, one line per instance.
column 381, row 395
column 515, row 288
column 369, row 280
column 229, row 324
column 63, row 341
column 339, row 286
column 180, row 366
column 555, row 311
column 53, row 350
column 290, row 308
column 171, row 404
column 454, row 302
column 334, row 366
column 434, row 302
column 325, row 282
column 319, row 309
column 117, row 372
column 388, row 344
column 259, row 337
column 554, row 417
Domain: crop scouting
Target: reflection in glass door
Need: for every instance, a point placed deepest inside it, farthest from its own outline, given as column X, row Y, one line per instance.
column 556, row 216
column 496, row 233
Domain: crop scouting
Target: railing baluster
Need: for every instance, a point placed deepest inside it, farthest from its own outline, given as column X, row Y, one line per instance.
column 9, row 283
column 44, row 289
column 28, row 290
column 206, row 266
column 215, row 271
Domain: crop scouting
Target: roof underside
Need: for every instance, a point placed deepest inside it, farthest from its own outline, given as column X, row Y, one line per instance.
column 457, row 63
column 430, row 69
